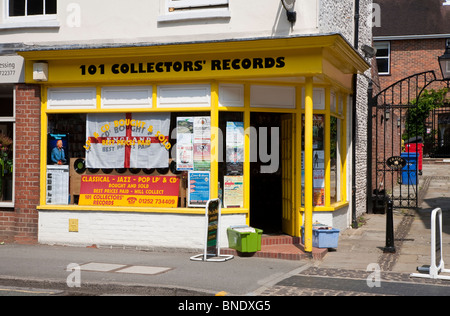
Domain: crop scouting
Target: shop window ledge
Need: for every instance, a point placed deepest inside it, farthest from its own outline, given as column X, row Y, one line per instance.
column 331, row 208
column 199, row 210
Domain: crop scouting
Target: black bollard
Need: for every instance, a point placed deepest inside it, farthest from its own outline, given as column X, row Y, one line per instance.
column 390, row 248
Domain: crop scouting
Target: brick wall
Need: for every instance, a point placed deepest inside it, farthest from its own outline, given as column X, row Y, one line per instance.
column 21, row 223
column 386, row 142
column 409, row 57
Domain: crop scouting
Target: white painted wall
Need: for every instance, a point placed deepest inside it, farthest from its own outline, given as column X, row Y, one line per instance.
column 138, row 21
column 122, row 229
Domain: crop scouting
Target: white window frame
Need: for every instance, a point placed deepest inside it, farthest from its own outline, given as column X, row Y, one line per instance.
column 27, row 21
column 175, row 10
column 388, row 57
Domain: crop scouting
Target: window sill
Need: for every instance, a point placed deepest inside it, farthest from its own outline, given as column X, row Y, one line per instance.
column 333, row 207
column 195, row 15
column 191, row 211
column 6, row 204
column 30, row 24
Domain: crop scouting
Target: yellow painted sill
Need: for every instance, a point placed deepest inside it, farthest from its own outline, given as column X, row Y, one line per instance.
column 333, row 207
column 80, row 208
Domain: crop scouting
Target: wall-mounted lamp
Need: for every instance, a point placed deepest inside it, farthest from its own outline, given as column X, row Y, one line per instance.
column 444, row 62
column 40, row 71
column 387, row 114
column 289, row 7
column 369, row 51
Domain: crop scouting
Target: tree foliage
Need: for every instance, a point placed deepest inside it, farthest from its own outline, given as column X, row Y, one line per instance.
column 420, row 110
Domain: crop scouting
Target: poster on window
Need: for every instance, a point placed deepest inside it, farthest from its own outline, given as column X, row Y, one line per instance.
column 185, row 143
column 58, row 149
column 139, row 191
column 319, row 197
column 198, row 188
column 233, row 191
column 194, row 143
column 127, row 140
column 235, row 148
column 202, row 143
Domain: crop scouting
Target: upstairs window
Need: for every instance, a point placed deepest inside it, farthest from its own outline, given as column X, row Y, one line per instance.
column 383, row 57
column 26, row 8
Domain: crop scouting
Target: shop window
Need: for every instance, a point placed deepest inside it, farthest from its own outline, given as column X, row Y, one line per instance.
column 318, row 160
column 25, row 8
column 231, row 159
column 334, row 159
column 129, row 159
column 320, row 164
column 383, row 57
column 7, row 123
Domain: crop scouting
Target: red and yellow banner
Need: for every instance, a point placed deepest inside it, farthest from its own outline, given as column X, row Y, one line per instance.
column 140, row 191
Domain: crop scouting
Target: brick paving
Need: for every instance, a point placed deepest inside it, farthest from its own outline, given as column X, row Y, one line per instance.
column 361, row 247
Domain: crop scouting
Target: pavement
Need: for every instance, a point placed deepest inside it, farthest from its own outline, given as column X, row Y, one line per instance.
column 354, row 268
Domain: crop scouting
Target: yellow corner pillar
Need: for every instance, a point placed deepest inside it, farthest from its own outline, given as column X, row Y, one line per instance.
column 247, row 159
column 308, row 163
column 214, row 140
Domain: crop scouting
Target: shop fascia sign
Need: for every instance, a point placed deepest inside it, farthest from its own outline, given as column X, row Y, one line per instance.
column 261, row 58
column 134, row 69
column 184, row 66
column 12, row 69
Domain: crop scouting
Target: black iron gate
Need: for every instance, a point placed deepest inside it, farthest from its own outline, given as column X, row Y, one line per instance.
column 438, row 129
column 394, row 134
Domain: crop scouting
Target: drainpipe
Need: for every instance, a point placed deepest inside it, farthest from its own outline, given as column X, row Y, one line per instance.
column 355, row 87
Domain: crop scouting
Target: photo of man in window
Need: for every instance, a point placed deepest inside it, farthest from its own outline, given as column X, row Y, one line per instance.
column 58, row 155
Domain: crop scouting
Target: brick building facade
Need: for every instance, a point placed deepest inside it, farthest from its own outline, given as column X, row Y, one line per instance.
column 411, row 36
column 21, row 223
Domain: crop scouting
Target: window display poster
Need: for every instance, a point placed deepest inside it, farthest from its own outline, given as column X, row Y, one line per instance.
column 198, row 188
column 202, row 143
column 127, row 140
column 57, row 184
column 318, row 177
column 139, row 191
column 58, row 149
column 235, row 147
column 185, row 143
column 318, row 167
column 194, row 143
column 319, row 197
column 318, row 131
column 233, row 191
column 202, row 156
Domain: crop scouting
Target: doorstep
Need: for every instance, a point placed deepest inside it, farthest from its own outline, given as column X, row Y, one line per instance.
column 280, row 247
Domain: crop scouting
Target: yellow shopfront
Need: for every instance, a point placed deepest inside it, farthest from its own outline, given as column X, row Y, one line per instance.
column 149, row 133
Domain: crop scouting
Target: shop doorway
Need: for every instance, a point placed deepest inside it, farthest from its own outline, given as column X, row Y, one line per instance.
column 271, row 173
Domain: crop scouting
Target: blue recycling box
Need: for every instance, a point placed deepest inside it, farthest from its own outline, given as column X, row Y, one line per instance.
column 323, row 238
column 409, row 171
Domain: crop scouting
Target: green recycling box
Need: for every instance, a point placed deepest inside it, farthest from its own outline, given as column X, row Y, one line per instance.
column 244, row 238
